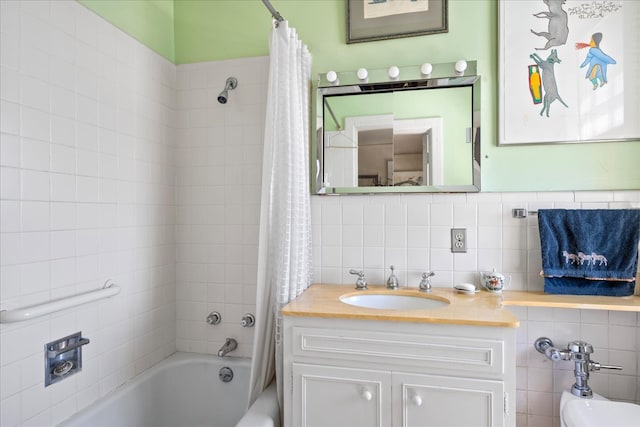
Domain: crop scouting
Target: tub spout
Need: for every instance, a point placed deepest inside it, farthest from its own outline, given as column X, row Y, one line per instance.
column 229, row 345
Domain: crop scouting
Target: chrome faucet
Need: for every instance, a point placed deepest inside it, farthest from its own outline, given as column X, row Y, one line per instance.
column 392, row 281
column 361, row 282
column 425, row 283
column 229, row 345
column 578, row 352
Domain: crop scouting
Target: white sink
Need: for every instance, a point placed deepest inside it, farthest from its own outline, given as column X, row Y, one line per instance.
column 598, row 412
column 393, row 302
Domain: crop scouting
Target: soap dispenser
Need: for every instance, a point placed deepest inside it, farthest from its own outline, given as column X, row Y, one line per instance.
column 392, row 281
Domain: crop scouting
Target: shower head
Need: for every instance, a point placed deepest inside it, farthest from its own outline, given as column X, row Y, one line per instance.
column 231, row 84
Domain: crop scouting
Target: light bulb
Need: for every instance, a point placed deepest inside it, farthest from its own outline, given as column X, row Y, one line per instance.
column 332, row 77
column 426, row 69
column 460, row 66
column 362, row 74
column 394, row 72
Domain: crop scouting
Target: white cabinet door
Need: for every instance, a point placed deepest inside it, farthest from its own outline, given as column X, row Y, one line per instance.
column 431, row 400
column 325, row 396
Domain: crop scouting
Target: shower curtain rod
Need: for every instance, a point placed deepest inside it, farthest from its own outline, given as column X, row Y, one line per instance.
column 276, row 15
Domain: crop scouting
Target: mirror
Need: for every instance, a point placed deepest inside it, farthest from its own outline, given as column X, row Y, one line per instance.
column 419, row 135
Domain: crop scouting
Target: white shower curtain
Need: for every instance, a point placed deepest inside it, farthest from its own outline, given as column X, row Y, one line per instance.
column 284, row 256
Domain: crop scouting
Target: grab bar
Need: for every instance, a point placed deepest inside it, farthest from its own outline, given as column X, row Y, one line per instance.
column 27, row 313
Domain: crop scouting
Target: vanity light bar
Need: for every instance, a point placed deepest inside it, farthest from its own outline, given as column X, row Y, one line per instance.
column 395, row 74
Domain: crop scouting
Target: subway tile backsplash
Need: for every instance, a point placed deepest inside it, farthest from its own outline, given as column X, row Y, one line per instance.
column 412, row 232
column 115, row 163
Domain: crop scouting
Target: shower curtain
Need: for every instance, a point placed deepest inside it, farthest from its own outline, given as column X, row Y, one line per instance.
column 284, row 255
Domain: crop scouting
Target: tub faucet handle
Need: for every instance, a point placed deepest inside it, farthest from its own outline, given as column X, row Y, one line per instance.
column 361, row 282
column 214, row 318
column 248, row 320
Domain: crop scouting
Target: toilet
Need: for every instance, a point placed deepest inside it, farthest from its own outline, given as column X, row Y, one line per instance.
column 597, row 411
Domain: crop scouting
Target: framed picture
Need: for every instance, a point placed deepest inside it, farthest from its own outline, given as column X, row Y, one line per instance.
column 369, row 20
column 568, row 71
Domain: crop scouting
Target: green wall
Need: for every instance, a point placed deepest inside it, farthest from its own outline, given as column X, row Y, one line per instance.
column 208, row 30
column 149, row 21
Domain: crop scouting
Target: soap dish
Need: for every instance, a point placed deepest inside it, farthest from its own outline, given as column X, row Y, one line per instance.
column 465, row 288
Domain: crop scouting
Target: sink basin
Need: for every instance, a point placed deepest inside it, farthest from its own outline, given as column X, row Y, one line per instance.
column 393, row 302
column 598, row 412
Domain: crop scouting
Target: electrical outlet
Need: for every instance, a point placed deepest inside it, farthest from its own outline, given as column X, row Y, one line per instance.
column 458, row 240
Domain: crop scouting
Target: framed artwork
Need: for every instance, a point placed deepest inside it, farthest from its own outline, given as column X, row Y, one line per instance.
column 369, row 20
column 568, row 71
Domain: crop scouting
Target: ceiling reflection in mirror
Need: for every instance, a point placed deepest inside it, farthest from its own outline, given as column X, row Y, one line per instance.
column 420, row 135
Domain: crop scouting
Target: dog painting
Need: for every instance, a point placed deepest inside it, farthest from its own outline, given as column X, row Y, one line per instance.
column 549, row 84
column 566, row 74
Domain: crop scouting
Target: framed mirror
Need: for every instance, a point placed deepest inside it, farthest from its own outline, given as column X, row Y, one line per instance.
column 419, row 134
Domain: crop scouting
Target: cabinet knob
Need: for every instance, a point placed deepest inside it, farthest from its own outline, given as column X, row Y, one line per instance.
column 366, row 395
column 417, row 400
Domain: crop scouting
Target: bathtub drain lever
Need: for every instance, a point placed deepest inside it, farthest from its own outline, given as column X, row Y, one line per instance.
column 225, row 374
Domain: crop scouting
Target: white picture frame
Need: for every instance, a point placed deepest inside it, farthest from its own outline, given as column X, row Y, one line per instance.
column 558, row 40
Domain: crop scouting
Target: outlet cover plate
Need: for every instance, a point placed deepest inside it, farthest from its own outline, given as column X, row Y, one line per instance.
column 458, row 240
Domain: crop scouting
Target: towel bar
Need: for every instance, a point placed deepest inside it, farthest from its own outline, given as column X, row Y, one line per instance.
column 522, row 213
column 27, row 313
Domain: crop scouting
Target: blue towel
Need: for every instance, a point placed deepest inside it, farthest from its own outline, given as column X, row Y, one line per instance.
column 589, row 252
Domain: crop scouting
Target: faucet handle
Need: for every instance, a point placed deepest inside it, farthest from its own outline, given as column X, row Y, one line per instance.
column 361, row 282
column 425, row 283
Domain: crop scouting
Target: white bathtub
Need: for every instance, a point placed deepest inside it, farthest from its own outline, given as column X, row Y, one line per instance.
column 183, row 391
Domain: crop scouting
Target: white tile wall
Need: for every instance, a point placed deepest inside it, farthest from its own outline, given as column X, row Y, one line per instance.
column 87, row 194
column 218, row 159
column 412, row 232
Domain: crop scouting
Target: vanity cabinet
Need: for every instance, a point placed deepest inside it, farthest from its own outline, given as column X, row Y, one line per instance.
column 350, row 373
column 432, row 400
column 331, row 396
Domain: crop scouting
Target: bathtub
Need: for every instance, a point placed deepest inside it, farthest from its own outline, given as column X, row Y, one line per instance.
column 183, row 390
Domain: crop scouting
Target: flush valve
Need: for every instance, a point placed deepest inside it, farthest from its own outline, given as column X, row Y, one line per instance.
column 580, row 353
column 545, row 345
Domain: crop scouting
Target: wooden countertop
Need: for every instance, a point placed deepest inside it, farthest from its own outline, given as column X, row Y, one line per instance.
column 479, row 309
column 540, row 299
